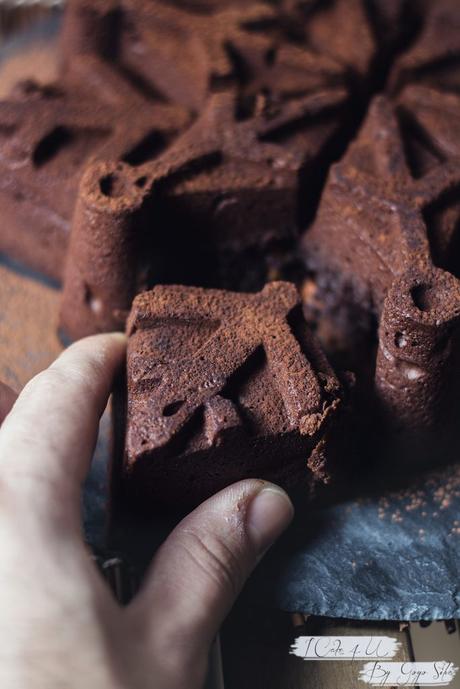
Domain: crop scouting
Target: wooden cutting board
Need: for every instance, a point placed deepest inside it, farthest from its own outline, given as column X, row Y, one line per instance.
column 28, row 327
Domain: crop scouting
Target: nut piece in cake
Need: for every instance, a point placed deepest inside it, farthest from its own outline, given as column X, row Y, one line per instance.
column 223, row 386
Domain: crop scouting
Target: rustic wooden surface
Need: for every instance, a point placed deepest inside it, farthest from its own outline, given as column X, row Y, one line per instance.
column 28, row 325
column 256, row 643
column 28, row 309
column 37, row 59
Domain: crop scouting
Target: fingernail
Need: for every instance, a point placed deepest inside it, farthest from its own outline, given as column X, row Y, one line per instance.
column 268, row 515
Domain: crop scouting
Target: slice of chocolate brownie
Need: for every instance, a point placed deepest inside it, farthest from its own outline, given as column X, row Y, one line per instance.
column 186, row 51
column 361, row 235
column 239, row 179
column 417, row 373
column 226, row 189
column 425, row 83
column 430, row 120
column 276, row 90
column 423, row 131
column 370, row 226
column 373, row 254
column 177, row 51
column 47, row 136
column 223, row 386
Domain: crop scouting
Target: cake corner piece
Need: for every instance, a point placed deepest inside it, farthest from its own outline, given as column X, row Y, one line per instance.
column 223, row 386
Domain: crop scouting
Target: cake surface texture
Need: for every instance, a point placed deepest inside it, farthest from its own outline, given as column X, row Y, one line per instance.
column 222, row 386
column 48, row 136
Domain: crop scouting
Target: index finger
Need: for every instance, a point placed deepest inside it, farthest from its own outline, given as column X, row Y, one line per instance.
column 47, row 440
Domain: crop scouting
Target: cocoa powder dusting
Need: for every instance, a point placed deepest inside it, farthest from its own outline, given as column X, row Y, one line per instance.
column 427, row 501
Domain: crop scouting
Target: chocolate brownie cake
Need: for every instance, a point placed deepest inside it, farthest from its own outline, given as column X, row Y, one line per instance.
column 222, row 386
column 404, row 160
column 371, row 249
column 186, row 50
column 222, row 190
column 270, row 116
column 434, row 57
column 387, row 229
column 370, row 227
column 47, row 136
column 222, row 145
column 290, row 76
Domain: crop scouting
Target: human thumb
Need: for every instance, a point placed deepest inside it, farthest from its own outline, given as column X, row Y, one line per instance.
column 199, row 570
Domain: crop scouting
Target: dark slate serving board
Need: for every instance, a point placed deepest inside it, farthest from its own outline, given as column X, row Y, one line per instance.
column 392, row 556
